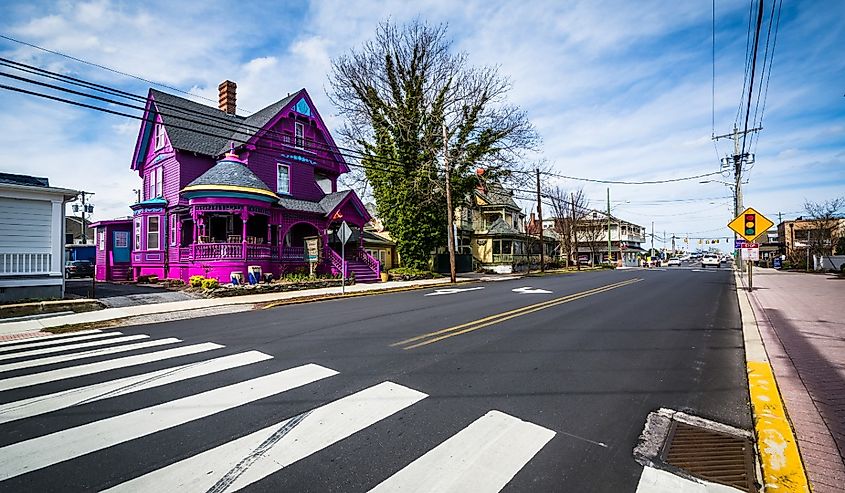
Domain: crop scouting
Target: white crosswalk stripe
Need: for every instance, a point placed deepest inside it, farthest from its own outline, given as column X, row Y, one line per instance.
column 67, row 347
column 43, row 451
column 54, row 337
column 86, row 354
column 483, row 457
column 244, row 461
column 49, row 341
column 103, row 366
column 47, row 403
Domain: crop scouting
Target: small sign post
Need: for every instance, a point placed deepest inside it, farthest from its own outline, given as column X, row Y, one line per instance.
column 749, row 225
column 344, row 233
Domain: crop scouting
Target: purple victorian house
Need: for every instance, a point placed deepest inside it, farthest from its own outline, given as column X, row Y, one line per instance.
column 222, row 193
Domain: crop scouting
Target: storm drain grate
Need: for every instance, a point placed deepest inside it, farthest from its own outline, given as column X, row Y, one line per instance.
column 710, row 455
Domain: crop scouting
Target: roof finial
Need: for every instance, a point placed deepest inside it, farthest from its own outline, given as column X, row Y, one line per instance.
column 232, row 152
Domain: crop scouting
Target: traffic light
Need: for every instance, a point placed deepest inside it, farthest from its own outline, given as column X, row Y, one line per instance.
column 750, row 224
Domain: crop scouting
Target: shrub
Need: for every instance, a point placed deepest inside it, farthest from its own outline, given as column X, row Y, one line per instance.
column 411, row 274
column 209, row 283
column 196, row 281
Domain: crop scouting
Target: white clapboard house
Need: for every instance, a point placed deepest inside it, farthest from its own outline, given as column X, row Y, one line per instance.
column 32, row 218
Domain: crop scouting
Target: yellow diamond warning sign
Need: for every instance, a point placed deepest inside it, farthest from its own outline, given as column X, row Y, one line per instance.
column 750, row 224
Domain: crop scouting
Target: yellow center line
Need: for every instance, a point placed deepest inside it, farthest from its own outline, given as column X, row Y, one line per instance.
column 496, row 316
column 439, row 335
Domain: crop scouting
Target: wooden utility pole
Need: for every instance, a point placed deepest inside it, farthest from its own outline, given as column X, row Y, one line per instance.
column 540, row 220
column 450, row 237
column 574, row 228
column 609, row 259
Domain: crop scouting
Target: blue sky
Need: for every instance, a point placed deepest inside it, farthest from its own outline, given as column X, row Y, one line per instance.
column 618, row 90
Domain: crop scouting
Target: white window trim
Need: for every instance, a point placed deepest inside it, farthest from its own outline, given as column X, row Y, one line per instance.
column 158, row 232
column 174, row 221
column 159, row 136
column 138, row 233
column 278, row 188
column 159, row 181
column 299, row 139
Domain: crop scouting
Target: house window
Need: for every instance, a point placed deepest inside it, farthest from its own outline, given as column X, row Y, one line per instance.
column 153, row 233
column 101, row 240
column 174, row 220
column 159, row 136
column 283, row 179
column 299, row 135
column 159, row 178
column 138, row 233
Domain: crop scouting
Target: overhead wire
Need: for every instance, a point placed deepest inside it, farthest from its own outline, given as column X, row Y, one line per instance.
column 110, row 69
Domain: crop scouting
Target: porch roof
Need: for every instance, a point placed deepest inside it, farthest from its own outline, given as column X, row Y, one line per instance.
column 231, row 175
column 324, row 206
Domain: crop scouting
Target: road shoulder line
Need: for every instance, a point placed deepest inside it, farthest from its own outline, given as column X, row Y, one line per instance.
column 780, row 460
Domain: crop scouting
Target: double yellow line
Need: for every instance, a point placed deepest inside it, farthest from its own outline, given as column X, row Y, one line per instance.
column 432, row 337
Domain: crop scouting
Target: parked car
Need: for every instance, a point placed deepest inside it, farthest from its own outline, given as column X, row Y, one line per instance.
column 674, row 261
column 711, row 259
column 79, row 268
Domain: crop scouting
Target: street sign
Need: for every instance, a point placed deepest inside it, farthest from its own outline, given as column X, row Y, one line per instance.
column 738, row 243
column 750, row 224
column 750, row 245
column 751, row 254
column 344, row 232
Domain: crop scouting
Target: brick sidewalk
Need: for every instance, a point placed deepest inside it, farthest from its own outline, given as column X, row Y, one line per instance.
column 802, row 322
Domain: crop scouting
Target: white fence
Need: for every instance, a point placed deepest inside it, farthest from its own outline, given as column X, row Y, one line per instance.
column 17, row 264
column 832, row 262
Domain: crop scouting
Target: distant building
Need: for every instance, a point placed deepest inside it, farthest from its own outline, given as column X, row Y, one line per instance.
column 626, row 239
column 32, row 229
column 799, row 234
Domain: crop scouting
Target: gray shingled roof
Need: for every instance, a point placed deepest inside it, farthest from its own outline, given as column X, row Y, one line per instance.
column 500, row 227
column 31, row 181
column 196, row 121
column 497, row 195
column 324, row 206
column 230, row 173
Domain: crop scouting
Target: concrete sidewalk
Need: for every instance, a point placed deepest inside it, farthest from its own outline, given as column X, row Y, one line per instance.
column 200, row 304
column 801, row 318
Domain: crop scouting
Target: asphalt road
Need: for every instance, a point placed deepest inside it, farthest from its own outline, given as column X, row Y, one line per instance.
column 585, row 362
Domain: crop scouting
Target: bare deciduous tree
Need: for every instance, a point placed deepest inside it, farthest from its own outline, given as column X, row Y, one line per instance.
column 827, row 228
column 568, row 210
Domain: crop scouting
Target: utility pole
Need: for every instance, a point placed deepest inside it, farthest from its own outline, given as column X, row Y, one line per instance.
column 739, row 159
column 780, row 217
column 573, row 227
column 652, row 239
column 608, row 227
column 673, row 243
column 540, row 219
column 84, row 209
column 450, row 237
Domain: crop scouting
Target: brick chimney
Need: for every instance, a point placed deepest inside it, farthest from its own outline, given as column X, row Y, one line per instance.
column 227, row 99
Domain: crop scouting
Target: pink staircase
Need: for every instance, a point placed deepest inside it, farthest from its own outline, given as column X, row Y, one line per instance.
column 363, row 272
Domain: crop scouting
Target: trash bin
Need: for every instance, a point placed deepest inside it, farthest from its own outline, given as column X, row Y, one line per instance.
column 268, row 278
column 254, row 274
column 236, row 278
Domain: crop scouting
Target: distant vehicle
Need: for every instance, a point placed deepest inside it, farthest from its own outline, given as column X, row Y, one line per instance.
column 674, row 261
column 711, row 259
column 79, row 268
column 584, row 260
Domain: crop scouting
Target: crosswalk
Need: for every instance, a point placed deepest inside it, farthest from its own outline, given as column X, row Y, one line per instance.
column 44, row 378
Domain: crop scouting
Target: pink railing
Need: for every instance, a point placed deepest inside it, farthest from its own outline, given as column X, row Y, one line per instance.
column 371, row 262
column 291, row 254
column 337, row 262
column 257, row 251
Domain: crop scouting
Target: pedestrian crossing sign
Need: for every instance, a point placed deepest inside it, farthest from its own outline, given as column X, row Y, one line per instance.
column 750, row 224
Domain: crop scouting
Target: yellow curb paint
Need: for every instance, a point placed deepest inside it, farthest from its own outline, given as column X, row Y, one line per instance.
column 779, row 456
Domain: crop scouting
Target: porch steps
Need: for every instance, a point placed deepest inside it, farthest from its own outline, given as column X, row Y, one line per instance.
column 362, row 271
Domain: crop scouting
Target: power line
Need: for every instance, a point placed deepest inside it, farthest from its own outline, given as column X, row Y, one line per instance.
column 104, row 67
column 225, row 124
column 768, row 73
column 753, row 69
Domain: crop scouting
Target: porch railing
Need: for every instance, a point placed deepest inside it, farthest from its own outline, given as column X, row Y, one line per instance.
column 12, row 264
column 258, row 252
column 290, row 254
column 337, row 262
column 371, row 261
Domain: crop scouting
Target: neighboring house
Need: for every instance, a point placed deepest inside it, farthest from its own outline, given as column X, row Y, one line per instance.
column 74, row 229
column 377, row 241
column 223, row 193
column 32, row 219
column 626, row 239
column 494, row 227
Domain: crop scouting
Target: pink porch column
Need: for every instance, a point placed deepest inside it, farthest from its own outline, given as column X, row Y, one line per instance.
column 244, row 219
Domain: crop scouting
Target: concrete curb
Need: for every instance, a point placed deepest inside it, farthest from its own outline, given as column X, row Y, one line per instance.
column 783, row 469
column 101, row 318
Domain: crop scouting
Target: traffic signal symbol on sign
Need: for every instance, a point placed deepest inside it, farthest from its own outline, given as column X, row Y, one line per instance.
column 750, row 224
